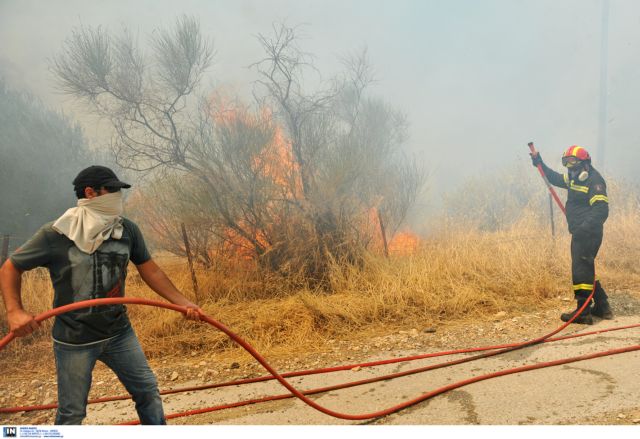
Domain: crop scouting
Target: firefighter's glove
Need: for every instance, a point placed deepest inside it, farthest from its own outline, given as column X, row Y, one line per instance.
column 536, row 158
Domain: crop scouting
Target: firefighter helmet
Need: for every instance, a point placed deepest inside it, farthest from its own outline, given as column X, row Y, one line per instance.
column 574, row 155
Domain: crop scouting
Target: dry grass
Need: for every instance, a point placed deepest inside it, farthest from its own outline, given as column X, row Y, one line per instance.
column 459, row 273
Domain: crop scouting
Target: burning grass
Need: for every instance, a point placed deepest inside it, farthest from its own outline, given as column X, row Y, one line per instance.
column 459, row 273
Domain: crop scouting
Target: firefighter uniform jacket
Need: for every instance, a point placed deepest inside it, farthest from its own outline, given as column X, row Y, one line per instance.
column 587, row 202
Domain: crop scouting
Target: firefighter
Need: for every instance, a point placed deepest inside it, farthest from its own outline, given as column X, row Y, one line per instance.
column 587, row 210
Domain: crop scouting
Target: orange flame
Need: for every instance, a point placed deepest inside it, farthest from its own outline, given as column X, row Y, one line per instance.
column 404, row 243
column 276, row 162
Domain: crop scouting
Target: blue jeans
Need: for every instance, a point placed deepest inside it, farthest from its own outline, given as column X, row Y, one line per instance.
column 123, row 355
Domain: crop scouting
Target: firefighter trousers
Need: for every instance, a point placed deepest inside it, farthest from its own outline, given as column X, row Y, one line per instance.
column 584, row 248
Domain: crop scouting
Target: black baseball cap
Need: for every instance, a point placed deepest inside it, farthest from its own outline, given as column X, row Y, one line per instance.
column 97, row 176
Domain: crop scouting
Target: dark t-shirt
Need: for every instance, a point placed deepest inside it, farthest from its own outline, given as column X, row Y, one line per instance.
column 78, row 276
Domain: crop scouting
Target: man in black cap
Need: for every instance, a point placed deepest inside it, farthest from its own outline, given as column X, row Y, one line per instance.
column 87, row 251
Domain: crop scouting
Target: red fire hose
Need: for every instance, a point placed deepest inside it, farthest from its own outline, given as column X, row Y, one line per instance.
column 316, row 372
column 301, row 395
column 544, row 177
column 423, row 397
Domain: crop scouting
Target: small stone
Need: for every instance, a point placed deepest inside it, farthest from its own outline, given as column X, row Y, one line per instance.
column 429, row 330
column 194, row 353
column 500, row 314
column 356, row 369
column 235, row 365
column 636, row 421
column 622, row 416
column 203, row 363
column 19, row 394
column 174, row 376
column 35, row 382
column 99, row 383
column 39, row 420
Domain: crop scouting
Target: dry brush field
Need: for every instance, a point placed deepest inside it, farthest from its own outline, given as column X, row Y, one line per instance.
column 459, row 273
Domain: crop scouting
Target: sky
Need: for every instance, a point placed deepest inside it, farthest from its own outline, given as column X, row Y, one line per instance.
column 477, row 79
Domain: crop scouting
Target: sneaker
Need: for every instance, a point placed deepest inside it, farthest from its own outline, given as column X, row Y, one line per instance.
column 583, row 319
column 602, row 310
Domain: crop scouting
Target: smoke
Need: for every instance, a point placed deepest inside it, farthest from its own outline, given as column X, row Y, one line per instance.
column 477, row 80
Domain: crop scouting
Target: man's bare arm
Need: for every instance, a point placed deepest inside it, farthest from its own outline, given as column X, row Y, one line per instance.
column 162, row 285
column 20, row 321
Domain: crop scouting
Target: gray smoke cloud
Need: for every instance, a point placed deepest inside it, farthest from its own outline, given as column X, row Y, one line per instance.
column 477, row 79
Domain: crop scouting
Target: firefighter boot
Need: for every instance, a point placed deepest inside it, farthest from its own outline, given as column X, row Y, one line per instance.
column 601, row 306
column 602, row 310
column 584, row 318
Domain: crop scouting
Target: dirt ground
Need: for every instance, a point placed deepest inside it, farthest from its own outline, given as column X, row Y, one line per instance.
column 26, row 386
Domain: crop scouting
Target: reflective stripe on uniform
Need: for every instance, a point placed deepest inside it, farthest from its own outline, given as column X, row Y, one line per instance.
column 583, row 287
column 566, row 179
column 596, row 198
column 575, row 187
